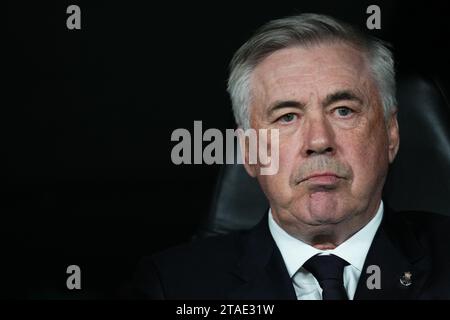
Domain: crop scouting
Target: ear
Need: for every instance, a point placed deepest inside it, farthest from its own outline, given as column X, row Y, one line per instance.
column 251, row 169
column 393, row 136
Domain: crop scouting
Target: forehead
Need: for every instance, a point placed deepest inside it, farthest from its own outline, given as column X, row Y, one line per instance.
column 299, row 71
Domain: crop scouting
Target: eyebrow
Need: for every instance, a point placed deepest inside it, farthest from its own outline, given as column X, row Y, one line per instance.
column 341, row 95
column 284, row 104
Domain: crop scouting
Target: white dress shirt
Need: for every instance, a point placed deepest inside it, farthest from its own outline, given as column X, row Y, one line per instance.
column 296, row 252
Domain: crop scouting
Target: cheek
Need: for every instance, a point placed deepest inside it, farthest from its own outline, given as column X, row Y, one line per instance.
column 289, row 154
column 366, row 153
column 290, row 158
column 278, row 186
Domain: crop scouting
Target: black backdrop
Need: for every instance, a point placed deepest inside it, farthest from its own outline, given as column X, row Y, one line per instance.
column 87, row 177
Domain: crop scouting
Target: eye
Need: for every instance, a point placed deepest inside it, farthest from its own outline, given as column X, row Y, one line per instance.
column 288, row 117
column 344, row 111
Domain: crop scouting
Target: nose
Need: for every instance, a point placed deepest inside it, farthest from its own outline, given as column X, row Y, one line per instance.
column 318, row 137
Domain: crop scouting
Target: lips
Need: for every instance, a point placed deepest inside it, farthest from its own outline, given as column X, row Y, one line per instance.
column 322, row 178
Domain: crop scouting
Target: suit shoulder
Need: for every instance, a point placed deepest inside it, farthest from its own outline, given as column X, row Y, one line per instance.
column 424, row 219
column 188, row 270
column 433, row 227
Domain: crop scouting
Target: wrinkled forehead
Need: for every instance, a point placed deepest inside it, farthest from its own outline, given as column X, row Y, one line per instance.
column 298, row 72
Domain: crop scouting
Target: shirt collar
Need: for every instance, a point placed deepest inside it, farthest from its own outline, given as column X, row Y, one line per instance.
column 354, row 250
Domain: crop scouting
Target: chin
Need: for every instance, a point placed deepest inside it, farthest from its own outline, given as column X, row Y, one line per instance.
column 323, row 204
column 321, row 209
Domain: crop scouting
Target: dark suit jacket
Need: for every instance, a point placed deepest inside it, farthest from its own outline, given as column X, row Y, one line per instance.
column 248, row 265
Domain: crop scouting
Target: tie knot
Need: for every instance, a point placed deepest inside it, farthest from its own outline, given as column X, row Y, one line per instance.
column 328, row 267
column 328, row 270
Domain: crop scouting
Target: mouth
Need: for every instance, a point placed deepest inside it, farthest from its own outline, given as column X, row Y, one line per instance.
column 322, row 178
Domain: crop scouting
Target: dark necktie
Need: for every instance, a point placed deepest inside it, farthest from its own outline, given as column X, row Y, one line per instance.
column 328, row 270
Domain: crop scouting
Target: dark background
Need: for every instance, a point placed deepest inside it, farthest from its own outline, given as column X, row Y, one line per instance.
column 87, row 117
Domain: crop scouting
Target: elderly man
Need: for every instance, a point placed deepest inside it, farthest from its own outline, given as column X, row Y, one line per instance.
column 329, row 91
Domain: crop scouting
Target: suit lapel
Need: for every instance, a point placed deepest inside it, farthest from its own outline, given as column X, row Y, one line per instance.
column 262, row 269
column 398, row 254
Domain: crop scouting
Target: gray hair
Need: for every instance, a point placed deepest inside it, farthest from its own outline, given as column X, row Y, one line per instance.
column 306, row 30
